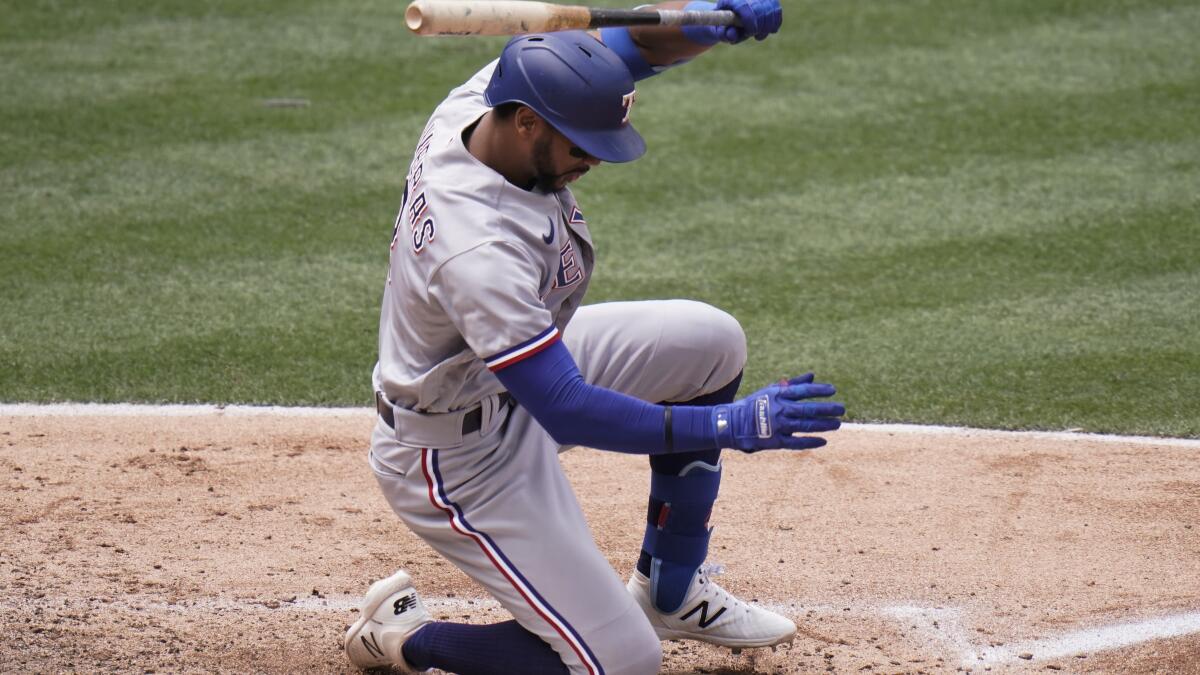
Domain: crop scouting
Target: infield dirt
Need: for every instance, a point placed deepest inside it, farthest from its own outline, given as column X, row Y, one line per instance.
column 241, row 544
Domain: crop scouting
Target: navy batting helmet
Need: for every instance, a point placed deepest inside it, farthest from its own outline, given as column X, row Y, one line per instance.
column 578, row 85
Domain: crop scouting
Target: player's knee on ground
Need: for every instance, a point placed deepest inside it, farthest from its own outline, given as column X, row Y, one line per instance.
column 632, row 652
column 624, row 644
column 712, row 339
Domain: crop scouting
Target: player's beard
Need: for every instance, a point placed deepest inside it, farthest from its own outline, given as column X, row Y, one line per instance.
column 543, row 167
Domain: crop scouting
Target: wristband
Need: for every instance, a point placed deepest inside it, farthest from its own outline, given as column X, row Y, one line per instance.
column 669, row 431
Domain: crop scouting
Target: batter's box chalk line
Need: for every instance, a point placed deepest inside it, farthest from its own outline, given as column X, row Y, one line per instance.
column 181, row 410
column 1095, row 639
column 946, row 626
column 147, row 410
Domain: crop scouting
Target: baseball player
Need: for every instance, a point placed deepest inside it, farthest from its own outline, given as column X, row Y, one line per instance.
column 489, row 366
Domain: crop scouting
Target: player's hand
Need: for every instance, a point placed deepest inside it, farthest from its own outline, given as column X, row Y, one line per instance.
column 767, row 418
column 759, row 19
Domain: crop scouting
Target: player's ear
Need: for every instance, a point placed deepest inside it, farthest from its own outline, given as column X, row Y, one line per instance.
column 527, row 122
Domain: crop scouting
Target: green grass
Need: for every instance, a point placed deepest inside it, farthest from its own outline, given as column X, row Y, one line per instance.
column 982, row 213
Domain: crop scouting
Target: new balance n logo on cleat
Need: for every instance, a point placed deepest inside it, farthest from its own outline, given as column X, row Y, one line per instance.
column 711, row 614
column 705, row 619
column 404, row 604
column 372, row 645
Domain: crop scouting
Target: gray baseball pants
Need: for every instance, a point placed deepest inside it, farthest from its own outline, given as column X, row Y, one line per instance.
column 500, row 508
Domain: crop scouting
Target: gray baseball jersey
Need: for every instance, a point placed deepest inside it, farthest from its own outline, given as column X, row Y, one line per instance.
column 482, row 272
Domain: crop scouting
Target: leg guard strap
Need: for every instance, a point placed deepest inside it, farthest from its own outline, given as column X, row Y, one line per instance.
column 682, row 549
column 679, row 516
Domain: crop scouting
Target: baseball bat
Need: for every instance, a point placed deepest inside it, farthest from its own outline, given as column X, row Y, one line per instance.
column 514, row 17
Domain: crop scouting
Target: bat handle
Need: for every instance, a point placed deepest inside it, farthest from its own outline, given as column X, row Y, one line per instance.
column 604, row 18
column 680, row 17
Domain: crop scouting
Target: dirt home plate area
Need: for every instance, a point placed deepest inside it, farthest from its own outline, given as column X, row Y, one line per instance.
column 238, row 540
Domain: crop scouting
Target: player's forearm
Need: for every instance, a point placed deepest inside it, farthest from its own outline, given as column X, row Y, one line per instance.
column 550, row 386
column 665, row 45
column 647, row 50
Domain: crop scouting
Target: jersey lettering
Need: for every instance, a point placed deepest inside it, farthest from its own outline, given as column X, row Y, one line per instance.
column 417, row 209
column 422, row 235
column 568, row 270
column 416, row 168
column 421, row 228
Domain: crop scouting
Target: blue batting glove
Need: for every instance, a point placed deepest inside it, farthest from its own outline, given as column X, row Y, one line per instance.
column 759, row 19
column 767, row 418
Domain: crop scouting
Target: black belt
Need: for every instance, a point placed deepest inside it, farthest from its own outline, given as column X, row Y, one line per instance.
column 472, row 421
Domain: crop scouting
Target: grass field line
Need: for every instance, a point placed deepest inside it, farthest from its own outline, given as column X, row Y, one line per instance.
column 201, row 410
column 942, row 625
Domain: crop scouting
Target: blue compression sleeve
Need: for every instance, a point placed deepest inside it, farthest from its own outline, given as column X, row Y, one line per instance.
column 550, row 386
column 620, row 41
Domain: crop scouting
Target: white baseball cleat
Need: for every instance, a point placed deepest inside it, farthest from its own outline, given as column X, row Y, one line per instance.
column 390, row 612
column 712, row 614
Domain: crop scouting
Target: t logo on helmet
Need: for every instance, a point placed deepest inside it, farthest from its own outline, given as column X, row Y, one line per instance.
column 627, row 104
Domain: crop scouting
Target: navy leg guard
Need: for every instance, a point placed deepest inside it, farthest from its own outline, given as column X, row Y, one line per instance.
column 677, row 532
column 683, row 488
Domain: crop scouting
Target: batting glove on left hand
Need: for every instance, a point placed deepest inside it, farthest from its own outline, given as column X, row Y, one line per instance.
column 766, row 419
column 759, row 19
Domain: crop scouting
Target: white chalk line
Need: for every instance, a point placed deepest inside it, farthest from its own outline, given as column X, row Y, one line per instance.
column 1095, row 639
column 942, row 625
column 173, row 410
column 934, row 430
column 203, row 410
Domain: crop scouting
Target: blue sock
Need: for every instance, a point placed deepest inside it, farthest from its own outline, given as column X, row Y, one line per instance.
column 683, row 488
column 495, row 649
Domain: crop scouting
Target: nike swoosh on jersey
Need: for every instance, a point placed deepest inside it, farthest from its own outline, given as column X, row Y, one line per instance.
column 549, row 238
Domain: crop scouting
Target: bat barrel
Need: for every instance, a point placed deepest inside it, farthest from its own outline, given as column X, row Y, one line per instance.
column 515, row 17
column 414, row 18
column 491, row 17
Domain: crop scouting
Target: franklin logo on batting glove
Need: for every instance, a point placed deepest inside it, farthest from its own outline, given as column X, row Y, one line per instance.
column 762, row 414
